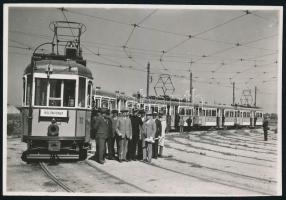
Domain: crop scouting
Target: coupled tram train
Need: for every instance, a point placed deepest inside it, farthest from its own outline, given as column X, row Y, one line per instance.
column 203, row 116
column 57, row 96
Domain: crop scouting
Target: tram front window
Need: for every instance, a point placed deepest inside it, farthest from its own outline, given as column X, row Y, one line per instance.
column 104, row 103
column 41, row 91
column 55, row 92
column 69, row 93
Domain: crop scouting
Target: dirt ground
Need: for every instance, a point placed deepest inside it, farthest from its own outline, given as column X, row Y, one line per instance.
column 224, row 162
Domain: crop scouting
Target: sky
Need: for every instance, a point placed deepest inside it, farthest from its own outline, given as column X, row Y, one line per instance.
column 218, row 46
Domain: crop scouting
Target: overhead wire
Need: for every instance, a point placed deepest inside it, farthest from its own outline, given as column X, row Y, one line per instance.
column 115, row 21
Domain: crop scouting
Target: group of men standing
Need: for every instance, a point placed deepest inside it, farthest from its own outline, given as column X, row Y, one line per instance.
column 137, row 135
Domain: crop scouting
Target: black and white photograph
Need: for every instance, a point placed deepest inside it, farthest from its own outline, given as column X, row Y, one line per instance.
column 142, row 100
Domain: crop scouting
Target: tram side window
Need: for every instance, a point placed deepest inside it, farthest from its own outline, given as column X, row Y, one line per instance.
column 112, row 104
column 81, row 92
column 213, row 113
column 163, row 110
column 203, row 112
column 248, row 114
column 29, row 79
column 69, row 93
column 97, row 104
column 24, row 89
column 187, row 111
column 200, row 113
column 156, row 109
column 244, row 114
column 182, row 111
column 146, row 108
column 89, row 91
column 41, row 86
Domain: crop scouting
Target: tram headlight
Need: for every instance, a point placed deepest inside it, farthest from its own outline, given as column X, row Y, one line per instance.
column 53, row 129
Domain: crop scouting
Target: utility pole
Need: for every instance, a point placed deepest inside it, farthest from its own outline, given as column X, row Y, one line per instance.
column 233, row 93
column 255, row 92
column 191, row 84
column 148, row 76
column 191, row 87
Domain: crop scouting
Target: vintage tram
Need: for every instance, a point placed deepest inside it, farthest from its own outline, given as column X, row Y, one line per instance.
column 203, row 116
column 57, row 98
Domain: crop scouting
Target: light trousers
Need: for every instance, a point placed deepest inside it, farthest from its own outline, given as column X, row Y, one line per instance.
column 123, row 148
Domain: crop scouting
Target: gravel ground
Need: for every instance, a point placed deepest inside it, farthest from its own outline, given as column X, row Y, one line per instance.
column 225, row 162
column 22, row 177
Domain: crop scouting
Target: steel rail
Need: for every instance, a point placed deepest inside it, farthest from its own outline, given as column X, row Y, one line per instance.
column 54, row 177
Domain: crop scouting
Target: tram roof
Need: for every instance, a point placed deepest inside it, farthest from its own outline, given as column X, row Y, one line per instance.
column 60, row 67
column 104, row 93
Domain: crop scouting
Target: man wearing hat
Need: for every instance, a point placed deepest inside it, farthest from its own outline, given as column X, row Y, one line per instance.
column 113, row 138
column 136, row 123
column 265, row 128
column 157, row 134
column 141, row 115
column 124, row 134
column 110, row 137
column 149, row 130
column 101, row 128
column 94, row 114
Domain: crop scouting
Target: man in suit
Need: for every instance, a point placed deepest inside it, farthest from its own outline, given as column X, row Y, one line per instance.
column 111, row 136
column 100, row 126
column 148, row 134
column 113, row 139
column 141, row 116
column 265, row 128
column 189, row 122
column 163, row 133
column 157, row 134
column 136, row 123
column 124, row 135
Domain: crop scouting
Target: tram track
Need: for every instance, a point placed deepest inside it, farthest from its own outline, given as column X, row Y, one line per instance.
column 53, row 177
column 207, row 140
column 91, row 164
column 220, row 152
column 216, row 157
column 215, row 180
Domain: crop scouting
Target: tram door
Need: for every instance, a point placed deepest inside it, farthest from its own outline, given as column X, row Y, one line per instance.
column 219, row 117
column 177, row 117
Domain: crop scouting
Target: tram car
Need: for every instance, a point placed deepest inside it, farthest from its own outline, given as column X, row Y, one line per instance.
column 57, row 96
column 203, row 116
column 258, row 119
column 104, row 99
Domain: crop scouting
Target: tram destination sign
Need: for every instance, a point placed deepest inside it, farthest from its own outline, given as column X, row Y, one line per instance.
column 53, row 113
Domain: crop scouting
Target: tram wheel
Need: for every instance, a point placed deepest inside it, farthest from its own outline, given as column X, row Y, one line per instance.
column 82, row 154
column 24, row 156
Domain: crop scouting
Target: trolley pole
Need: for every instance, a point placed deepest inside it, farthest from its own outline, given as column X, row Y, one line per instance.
column 233, row 93
column 148, row 77
column 255, row 92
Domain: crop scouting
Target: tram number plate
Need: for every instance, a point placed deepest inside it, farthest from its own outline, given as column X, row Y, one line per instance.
column 54, row 145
